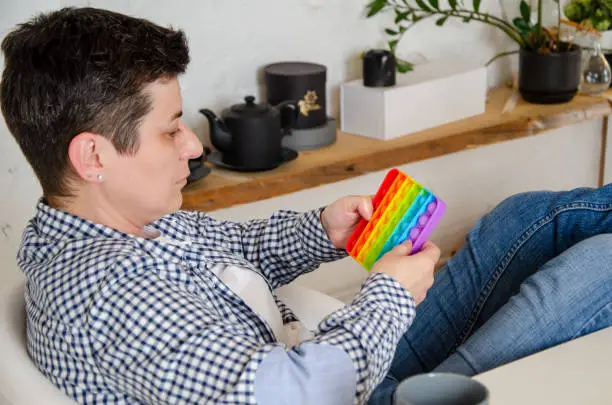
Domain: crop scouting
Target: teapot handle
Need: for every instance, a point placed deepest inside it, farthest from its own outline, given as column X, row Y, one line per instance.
column 288, row 114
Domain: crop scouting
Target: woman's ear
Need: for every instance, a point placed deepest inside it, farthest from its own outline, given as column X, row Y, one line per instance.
column 84, row 154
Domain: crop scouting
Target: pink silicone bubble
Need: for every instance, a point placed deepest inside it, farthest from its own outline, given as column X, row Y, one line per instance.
column 423, row 220
column 431, row 207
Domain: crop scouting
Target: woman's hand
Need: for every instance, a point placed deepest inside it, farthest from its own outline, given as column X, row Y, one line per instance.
column 340, row 218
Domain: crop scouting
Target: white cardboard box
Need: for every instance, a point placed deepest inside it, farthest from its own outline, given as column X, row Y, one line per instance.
column 435, row 93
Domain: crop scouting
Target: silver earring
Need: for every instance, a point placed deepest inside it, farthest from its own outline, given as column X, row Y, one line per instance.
column 99, row 177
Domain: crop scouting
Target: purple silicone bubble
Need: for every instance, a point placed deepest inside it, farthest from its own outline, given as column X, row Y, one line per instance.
column 423, row 220
column 431, row 207
column 439, row 207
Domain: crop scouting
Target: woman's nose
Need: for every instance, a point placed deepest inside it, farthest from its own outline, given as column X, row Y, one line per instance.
column 192, row 147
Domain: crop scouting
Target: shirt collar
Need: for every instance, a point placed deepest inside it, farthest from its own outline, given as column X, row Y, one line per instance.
column 55, row 224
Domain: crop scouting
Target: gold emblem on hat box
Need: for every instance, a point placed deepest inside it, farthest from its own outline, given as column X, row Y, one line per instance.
column 309, row 103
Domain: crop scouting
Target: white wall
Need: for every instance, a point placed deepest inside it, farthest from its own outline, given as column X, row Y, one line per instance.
column 19, row 189
column 231, row 40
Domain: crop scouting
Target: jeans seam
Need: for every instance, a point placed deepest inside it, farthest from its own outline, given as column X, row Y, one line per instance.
column 581, row 330
column 505, row 261
column 391, row 377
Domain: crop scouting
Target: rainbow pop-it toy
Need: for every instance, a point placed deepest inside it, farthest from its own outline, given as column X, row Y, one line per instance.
column 402, row 209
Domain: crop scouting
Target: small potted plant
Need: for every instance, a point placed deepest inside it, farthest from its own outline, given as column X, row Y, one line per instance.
column 549, row 66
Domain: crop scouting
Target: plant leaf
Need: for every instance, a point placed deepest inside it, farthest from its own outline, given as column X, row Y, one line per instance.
column 403, row 66
column 522, row 25
column 452, row 4
column 434, row 4
column 399, row 16
column 393, row 44
column 389, row 31
column 375, row 6
column 525, row 11
column 476, row 5
column 423, row 6
column 441, row 21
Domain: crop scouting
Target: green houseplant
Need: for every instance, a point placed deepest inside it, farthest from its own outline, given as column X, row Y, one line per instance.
column 598, row 13
column 549, row 67
column 594, row 13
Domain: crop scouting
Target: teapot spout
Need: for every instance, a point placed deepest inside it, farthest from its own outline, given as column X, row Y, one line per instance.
column 220, row 135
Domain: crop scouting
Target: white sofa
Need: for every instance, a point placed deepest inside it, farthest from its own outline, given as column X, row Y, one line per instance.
column 22, row 384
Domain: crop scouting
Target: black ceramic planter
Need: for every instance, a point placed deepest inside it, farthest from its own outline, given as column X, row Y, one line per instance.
column 378, row 68
column 549, row 78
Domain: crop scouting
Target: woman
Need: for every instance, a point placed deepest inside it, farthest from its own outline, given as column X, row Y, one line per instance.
column 131, row 300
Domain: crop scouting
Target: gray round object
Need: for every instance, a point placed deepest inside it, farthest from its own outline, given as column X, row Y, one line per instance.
column 312, row 138
column 441, row 389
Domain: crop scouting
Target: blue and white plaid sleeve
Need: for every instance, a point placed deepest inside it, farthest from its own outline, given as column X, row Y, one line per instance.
column 160, row 342
column 283, row 246
column 367, row 332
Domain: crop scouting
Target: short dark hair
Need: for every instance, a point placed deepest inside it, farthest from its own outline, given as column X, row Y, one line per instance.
column 82, row 69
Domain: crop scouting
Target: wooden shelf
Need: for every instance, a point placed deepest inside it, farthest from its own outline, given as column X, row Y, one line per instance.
column 354, row 155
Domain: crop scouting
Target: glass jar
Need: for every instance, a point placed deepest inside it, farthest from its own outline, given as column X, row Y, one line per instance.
column 596, row 74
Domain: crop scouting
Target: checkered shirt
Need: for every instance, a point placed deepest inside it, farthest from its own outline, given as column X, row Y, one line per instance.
column 118, row 319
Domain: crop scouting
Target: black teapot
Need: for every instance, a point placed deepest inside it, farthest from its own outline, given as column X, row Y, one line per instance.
column 249, row 135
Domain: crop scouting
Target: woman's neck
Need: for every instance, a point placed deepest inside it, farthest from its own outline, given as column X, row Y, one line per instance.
column 99, row 210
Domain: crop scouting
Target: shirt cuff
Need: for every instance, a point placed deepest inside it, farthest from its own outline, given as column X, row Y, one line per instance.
column 387, row 293
column 314, row 239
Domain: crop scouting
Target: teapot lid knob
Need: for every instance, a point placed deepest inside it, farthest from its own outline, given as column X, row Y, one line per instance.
column 248, row 109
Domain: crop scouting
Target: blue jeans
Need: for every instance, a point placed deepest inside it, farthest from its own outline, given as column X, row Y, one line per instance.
column 533, row 273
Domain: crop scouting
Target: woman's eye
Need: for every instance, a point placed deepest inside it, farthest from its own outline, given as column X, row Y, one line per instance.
column 172, row 133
